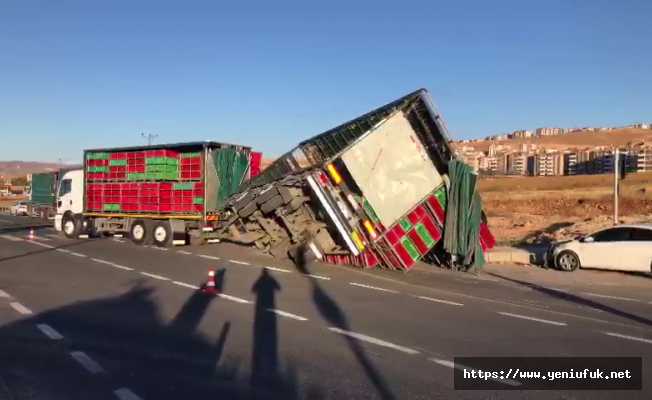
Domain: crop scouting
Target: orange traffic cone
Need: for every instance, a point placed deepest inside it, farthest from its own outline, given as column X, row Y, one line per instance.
column 31, row 235
column 210, row 288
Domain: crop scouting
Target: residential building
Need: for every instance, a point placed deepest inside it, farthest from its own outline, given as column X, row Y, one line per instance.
column 517, row 164
column 522, row 134
column 549, row 164
column 644, row 160
column 571, row 161
column 550, row 131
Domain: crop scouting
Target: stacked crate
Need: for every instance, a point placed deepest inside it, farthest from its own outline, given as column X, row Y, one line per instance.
column 151, row 182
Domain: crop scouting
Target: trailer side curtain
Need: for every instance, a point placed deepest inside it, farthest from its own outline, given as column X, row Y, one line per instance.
column 231, row 166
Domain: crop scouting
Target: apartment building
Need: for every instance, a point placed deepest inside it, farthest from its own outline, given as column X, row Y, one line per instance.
column 522, row 134
column 548, row 164
column 517, row 164
column 550, row 131
column 644, row 160
column 571, row 161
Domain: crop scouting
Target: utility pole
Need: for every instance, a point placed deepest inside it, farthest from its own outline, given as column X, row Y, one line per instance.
column 616, row 183
column 150, row 137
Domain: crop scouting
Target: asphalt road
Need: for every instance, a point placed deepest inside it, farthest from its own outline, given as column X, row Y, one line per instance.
column 103, row 318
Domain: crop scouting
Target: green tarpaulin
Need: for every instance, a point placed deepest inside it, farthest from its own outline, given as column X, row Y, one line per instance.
column 231, row 166
column 463, row 217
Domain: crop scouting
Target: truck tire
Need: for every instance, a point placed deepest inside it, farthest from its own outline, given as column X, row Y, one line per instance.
column 162, row 234
column 140, row 232
column 71, row 226
column 272, row 204
column 243, row 200
column 248, row 210
column 266, row 194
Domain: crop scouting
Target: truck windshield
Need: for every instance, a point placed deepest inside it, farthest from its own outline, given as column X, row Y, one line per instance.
column 65, row 187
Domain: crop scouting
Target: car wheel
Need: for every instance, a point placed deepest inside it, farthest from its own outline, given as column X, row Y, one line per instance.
column 567, row 261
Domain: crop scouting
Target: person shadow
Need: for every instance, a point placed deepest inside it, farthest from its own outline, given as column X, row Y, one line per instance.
column 333, row 314
column 264, row 352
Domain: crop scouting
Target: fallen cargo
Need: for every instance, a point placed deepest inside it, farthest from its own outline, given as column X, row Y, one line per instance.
column 373, row 192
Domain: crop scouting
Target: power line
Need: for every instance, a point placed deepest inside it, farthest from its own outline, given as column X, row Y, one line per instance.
column 150, row 137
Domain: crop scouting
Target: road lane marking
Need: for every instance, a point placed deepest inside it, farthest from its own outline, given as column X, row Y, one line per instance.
column 53, row 235
column 287, row 271
column 373, row 340
column 372, row 287
column 117, row 235
column 49, row 332
column 545, row 321
column 12, row 238
column 184, row 252
column 233, row 298
column 38, row 238
column 159, row 248
column 186, row 285
column 451, row 364
column 20, row 308
column 239, row 262
column 87, row 362
column 439, row 301
column 71, row 253
column 209, row 257
column 287, row 314
column 126, row 394
column 638, row 339
column 112, row 264
column 155, row 276
column 611, row 297
column 117, row 240
column 4, row 294
column 43, row 245
column 319, row 277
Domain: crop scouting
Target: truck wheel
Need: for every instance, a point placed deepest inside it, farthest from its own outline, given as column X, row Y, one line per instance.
column 272, row 205
column 248, row 210
column 162, row 234
column 140, row 232
column 243, row 200
column 266, row 194
column 71, row 226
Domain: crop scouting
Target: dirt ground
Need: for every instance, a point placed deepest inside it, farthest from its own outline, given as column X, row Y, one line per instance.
column 537, row 210
column 10, row 200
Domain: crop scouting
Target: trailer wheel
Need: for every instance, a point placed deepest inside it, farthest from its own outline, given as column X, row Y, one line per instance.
column 266, row 194
column 71, row 225
column 248, row 210
column 162, row 235
column 243, row 200
column 140, row 232
column 272, row 204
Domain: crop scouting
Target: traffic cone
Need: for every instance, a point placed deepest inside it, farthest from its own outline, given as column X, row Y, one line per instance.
column 210, row 288
column 31, row 235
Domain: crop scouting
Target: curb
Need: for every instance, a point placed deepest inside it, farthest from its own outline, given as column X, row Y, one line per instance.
column 513, row 255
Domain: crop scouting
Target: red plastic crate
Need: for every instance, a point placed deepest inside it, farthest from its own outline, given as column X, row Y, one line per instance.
column 404, row 255
column 136, row 168
column 199, row 207
column 165, row 186
column 391, row 238
column 187, row 193
column 416, row 215
column 185, row 175
column 398, row 231
column 416, row 239
column 178, row 200
column 166, row 208
column 195, row 175
column 165, row 200
column 165, row 193
column 182, row 208
column 177, row 193
column 199, row 185
column 118, row 156
column 198, row 193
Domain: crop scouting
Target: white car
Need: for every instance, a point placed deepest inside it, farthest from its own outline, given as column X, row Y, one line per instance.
column 19, row 208
column 619, row 248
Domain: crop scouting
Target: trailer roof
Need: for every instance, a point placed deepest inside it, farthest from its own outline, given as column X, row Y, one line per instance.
column 209, row 144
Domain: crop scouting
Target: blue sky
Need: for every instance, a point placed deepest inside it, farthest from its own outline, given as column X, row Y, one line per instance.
column 87, row 74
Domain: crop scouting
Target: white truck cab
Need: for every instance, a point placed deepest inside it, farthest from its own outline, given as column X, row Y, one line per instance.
column 70, row 201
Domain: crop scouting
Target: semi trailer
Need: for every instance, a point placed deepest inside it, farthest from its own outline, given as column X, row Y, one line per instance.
column 161, row 195
column 43, row 193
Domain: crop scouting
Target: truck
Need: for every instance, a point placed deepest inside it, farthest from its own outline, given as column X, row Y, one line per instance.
column 43, row 193
column 164, row 195
column 383, row 190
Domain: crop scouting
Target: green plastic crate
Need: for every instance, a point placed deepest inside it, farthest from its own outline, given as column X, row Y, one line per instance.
column 172, row 168
column 411, row 248
column 112, row 207
column 117, row 163
column 98, row 169
column 97, row 156
column 405, row 224
column 198, row 200
column 424, row 234
column 182, row 186
column 190, row 155
column 171, row 176
column 440, row 194
column 172, row 161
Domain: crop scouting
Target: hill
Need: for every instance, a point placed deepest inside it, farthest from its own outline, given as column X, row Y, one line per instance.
column 581, row 139
column 11, row 169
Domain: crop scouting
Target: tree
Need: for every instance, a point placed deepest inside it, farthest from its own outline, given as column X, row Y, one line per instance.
column 19, row 181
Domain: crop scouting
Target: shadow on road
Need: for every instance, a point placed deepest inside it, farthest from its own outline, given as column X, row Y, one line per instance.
column 128, row 336
column 334, row 315
column 576, row 299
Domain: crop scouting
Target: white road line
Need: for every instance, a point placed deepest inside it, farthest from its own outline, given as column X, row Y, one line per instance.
column 611, row 297
column 372, row 287
column 4, row 294
column 49, row 332
column 638, row 339
column 126, row 394
column 112, row 264
column 117, row 240
column 239, row 262
column 40, row 238
column 155, row 276
column 233, row 298
column 20, row 308
column 53, row 235
column 545, row 321
column 159, row 248
column 12, row 238
column 319, row 277
column 87, row 362
column 278, row 269
column 287, row 314
column 186, row 285
column 209, row 257
column 83, row 236
column 183, row 252
column 43, row 245
column 118, row 235
column 450, row 364
column 439, row 301
column 373, row 340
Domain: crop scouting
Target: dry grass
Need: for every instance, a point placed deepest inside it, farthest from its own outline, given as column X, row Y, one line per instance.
column 554, row 183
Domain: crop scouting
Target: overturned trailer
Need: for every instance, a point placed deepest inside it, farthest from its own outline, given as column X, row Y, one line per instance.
column 383, row 190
